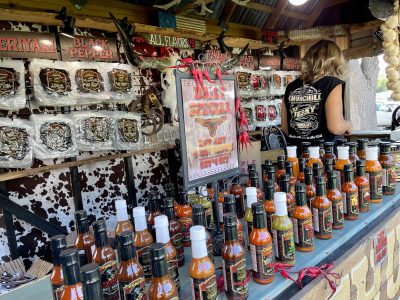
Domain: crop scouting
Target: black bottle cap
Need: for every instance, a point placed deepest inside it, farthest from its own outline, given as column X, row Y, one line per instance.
column 304, row 147
column 70, row 265
column 99, row 225
column 270, row 169
column 308, row 171
column 285, row 177
column 257, row 208
column 58, row 243
column 360, row 163
column 328, row 144
column 69, row 257
column 80, row 215
column 300, row 188
column 341, row 141
column 157, row 251
column 348, row 168
column 328, row 161
column 90, row 273
column 253, row 174
column 320, row 180
column 332, row 174
column 302, row 160
column 270, row 184
column 289, row 164
column 361, row 143
column 384, row 147
column 197, row 209
column 320, row 143
column 268, row 162
column 316, row 166
column 168, row 202
column 281, row 158
column 251, row 167
column 230, row 219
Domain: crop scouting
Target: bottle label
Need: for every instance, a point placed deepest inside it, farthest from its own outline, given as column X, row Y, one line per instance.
column 388, row 180
column 352, row 204
column 186, row 223
column 134, row 290
column 375, row 185
column 261, row 261
column 241, row 238
column 344, row 203
column 220, row 211
column 204, row 289
column 82, row 257
column 144, row 259
column 309, row 201
column 290, row 209
column 57, row 291
column 292, row 190
column 284, row 245
column 177, row 242
column 209, row 218
column 236, row 277
column 109, row 280
column 363, row 198
column 210, row 250
column 303, row 232
column 337, row 212
column 339, row 179
column 249, row 229
column 322, row 220
column 269, row 221
column 173, row 271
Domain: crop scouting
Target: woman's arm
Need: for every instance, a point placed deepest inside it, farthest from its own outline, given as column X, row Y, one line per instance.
column 284, row 121
column 337, row 125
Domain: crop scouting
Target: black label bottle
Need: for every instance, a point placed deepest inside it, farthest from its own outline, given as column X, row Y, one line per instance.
column 322, row 211
column 310, row 186
column 269, row 205
column 350, row 194
column 335, row 196
column 84, row 243
column 72, row 279
column 57, row 244
column 285, row 187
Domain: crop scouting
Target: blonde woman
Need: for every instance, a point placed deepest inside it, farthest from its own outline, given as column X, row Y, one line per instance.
column 313, row 104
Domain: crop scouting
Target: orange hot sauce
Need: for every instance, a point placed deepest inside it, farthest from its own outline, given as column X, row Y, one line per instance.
column 84, row 241
column 310, row 186
column 290, row 200
column 305, row 152
column 302, row 164
column 328, row 167
column 335, row 196
column 238, row 191
column 373, row 169
column 292, row 178
column 329, row 152
column 353, row 153
column 322, row 211
column 362, row 184
column 361, row 148
column 388, row 169
column 72, row 279
column 281, row 169
column 57, row 244
column 123, row 222
column 269, row 205
column 184, row 215
column 230, row 208
column 350, row 194
column 292, row 157
column 154, row 211
column 314, row 157
column 272, row 177
column 343, row 159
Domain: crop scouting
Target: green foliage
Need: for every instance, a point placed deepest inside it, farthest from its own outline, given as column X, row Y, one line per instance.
column 381, row 84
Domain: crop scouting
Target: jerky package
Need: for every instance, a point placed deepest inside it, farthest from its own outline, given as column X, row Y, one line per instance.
column 249, row 111
column 54, row 136
column 52, row 84
column 261, row 112
column 119, row 84
column 12, row 85
column 16, row 143
column 277, row 83
column 94, row 130
column 127, row 131
column 244, row 81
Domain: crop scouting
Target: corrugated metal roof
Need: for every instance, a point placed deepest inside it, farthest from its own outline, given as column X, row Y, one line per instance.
column 306, row 8
column 252, row 17
column 217, row 7
column 286, row 23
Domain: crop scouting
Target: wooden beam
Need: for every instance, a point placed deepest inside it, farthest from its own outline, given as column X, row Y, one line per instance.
column 274, row 17
column 321, row 5
column 227, row 13
column 269, row 9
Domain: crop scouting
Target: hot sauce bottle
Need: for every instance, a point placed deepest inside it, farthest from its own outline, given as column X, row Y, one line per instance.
column 388, row 169
column 281, row 169
column 174, row 230
column 322, row 211
column 267, row 163
column 292, row 178
column 154, row 211
column 170, row 192
column 292, row 157
column 282, row 231
column 362, row 184
column 229, row 207
column 130, row 272
column 290, row 200
column 361, row 148
column 343, row 159
column 255, row 183
column 373, row 169
column 184, row 215
column 201, row 267
column 123, row 222
column 314, row 157
column 261, row 247
column 105, row 257
column 91, row 282
column 162, row 286
column 199, row 219
column 272, row 177
column 233, row 261
column 310, row 186
column 250, row 168
column 305, row 152
column 142, row 240
column 350, row 194
column 251, row 197
column 328, row 167
column 302, row 164
column 57, row 244
column 220, row 205
column 353, row 153
column 341, row 142
column 162, row 234
column 329, row 152
column 302, row 221
column 237, row 190
column 269, row 205
column 321, row 150
column 335, row 196
column 72, row 279
column 84, row 241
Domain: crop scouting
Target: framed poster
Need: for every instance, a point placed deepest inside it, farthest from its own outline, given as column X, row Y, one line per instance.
column 208, row 129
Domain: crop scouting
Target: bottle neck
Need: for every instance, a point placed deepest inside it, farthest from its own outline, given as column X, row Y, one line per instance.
column 258, row 221
column 101, row 239
column 71, row 274
column 271, row 176
column 285, row 187
column 199, row 219
column 231, row 233
column 360, row 171
column 160, row 268
column 308, row 179
column 281, row 165
column 83, row 226
column 199, row 248
column 140, row 223
column 170, row 213
column 331, row 183
column 254, row 182
column 289, row 170
column 348, row 176
column 269, row 193
column 301, row 199
column 122, row 215
column 127, row 252
column 328, row 167
column 153, row 206
column 321, row 189
column 229, row 208
column 301, row 167
column 329, row 150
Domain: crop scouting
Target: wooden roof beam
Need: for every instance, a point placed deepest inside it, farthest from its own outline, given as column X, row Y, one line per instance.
column 321, row 5
column 189, row 7
column 227, row 13
column 274, row 17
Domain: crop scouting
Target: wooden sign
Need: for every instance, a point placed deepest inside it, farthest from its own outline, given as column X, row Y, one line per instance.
column 247, row 61
column 291, row 64
column 270, row 62
column 89, row 48
column 19, row 44
column 168, row 41
column 269, row 36
column 215, row 55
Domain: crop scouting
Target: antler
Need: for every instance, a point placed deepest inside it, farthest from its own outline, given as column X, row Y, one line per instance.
column 233, row 61
column 203, row 8
column 241, row 2
column 168, row 5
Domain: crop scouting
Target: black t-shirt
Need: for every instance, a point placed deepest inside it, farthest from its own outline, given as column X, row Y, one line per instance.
column 305, row 106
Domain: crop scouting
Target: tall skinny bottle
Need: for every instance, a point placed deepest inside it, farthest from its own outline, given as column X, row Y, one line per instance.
column 291, row 201
column 57, row 244
column 281, row 169
column 174, row 230
column 84, row 241
column 374, row 174
column 310, row 186
column 91, row 282
column 269, row 205
column 184, row 216
column 123, row 222
column 272, row 176
column 362, row 184
column 292, row 157
column 200, row 219
column 229, row 207
column 72, row 279
column 343, row 159
column 292, row 178
column 302, row 164
column 350, row 194
column 322, row 211
column 251, row 197
column 335, row 196
column 361, row 148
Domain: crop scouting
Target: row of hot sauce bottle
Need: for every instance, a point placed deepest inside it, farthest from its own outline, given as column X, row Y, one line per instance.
column 303, row 198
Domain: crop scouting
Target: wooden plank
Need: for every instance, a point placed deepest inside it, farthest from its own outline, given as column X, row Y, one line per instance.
column 322, row 4
column 274, row 17
column 65, row 165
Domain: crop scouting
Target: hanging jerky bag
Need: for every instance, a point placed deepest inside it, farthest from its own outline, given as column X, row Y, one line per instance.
column 119, row 84
column 127, row 131
column 248, row 107
column 12, row 85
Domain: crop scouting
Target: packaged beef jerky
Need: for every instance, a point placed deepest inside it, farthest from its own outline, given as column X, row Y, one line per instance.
column 119, row 84
column 261, row 112
column 54, row 136
column 127, row 130
column 12, row 85
column 249, row 111
column 16, row 143
column 277, row 83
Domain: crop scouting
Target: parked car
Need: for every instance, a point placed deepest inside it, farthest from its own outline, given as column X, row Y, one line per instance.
column 384, row 113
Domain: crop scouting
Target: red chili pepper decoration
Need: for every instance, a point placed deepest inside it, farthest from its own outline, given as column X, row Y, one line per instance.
column 195, row 75
column 244, row 139
column 219, row 77
column 200, row 77
column 207, row 76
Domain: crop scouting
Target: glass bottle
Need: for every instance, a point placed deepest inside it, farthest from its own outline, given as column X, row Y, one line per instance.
column 250, row 168
column 162, row 286
column 174, row 230
column 261, row 247
column 105, row 257
column 254, row 182
column 310, row 186
column 350, row 194
column 328, row 167
column 343, row 159
column 153, row 212
column 361, row 148
column 329, row 152
column 123, row 222
column 335, row 196
column 317, row 170
column 302, row 221
column 200, row 220
column 292, row 178
column 267, row 163
column 281, row 169
column 282, row 231
column 237, row 190
column 251, row 197
column 91, row 282
column 292, row 157
column 229, row 207
column 201, row 267
column 72, row 282
column 285, row 187
column 142, row 240
column 220, row 206
column 341, row 142
column 373, row 170
column 302, row 164
column 57, row 244
column 170, row 192
column 314, row 157
column 184, row 216
column 162, row 235
column 321, row 150
column 353, row 153
column 362, row 184
column 388, row 169
column 233, row 261
column 84, row 243
column 322, row 211
column 269, row 205
column 305, row 152
column 272, row 177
